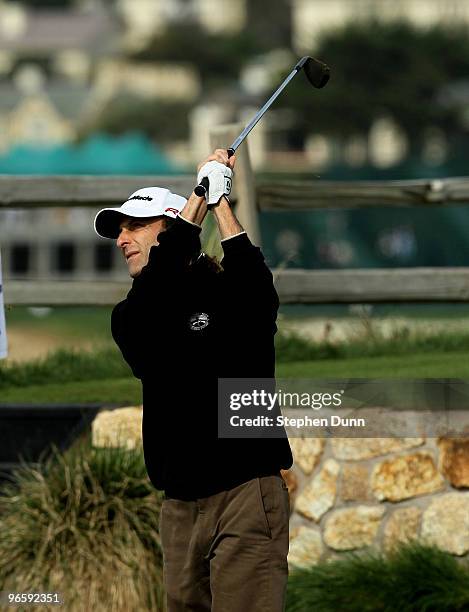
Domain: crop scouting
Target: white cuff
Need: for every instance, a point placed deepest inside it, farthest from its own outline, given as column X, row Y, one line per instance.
column 233, row 236
column 191, row 222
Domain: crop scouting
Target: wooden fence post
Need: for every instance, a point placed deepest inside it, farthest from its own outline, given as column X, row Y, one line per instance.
column 244, row 187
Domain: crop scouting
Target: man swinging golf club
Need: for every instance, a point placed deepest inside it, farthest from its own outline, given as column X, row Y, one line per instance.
column 184, row 324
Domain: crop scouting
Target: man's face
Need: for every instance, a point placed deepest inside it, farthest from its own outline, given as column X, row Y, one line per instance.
column 136, row 237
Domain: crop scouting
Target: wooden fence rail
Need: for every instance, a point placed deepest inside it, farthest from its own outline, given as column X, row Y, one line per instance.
column 93, row 191
column 294, row 286
column 307, row 195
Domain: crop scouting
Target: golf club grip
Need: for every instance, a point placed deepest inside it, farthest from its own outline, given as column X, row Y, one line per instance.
column 202, row 187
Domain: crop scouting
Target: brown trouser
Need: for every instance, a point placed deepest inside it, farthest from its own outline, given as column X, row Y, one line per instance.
column 227, row 552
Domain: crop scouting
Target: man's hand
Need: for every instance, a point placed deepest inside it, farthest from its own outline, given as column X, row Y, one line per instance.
column 217, row 168
column 221, row 156
column 219, row 178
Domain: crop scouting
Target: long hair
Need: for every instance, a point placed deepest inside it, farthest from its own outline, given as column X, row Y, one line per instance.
column 212, row 263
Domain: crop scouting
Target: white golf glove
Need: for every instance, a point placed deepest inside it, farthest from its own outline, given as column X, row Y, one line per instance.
column 219, row 177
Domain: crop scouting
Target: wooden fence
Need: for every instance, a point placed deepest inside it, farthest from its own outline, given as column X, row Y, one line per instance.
column 294, row 286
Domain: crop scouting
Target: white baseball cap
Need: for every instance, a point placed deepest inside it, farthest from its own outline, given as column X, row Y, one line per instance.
column 146, row 202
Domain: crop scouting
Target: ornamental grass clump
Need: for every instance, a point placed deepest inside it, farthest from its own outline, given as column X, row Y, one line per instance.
column 411, row 578
column 84, row 524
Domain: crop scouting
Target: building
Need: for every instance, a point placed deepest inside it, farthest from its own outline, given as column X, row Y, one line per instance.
column 145, row 18
column 65, row 247
column 310, row 18
column 47, row 63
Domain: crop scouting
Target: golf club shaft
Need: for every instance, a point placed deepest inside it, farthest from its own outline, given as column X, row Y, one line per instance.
column 318, row 75
column 201, row 189
column 262, row 111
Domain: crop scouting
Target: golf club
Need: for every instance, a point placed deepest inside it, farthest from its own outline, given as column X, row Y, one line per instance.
column 318, row 75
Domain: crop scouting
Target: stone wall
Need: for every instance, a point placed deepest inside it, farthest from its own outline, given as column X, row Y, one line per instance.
column 349, row 494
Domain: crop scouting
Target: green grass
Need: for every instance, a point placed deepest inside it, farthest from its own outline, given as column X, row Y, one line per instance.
column 291, row 347
column 102, row 375
column 127, row 390
column 111, row 391
column 65, row 365
column 413, row 578
column 420, row 365
column 422, row 355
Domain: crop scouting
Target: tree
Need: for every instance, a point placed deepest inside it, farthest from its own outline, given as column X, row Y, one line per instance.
column 48, row 4
column 163, row 121
column 218, row 57
column 270, row 22
column 383, row 68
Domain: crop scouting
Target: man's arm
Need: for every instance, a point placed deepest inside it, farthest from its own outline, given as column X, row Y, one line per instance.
column 248, row 275
column 195, row 210
column 228, row 224
column 248, row 279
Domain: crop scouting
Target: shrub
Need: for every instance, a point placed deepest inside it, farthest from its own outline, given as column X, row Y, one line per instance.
column 411, row 578
column 84, row 524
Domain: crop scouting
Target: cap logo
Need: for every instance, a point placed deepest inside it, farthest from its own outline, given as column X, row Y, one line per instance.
column 137, row 197
column 173, row 210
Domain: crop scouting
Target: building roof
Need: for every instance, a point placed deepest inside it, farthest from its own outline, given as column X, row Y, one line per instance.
column 69, row 99
column 47, row 31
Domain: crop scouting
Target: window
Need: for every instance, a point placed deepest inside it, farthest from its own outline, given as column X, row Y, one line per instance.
column 64, row 260
column 103, row 255
column 20, row 258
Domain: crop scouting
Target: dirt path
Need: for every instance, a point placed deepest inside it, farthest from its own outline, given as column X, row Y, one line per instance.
column 25, row 344
column 339, row 330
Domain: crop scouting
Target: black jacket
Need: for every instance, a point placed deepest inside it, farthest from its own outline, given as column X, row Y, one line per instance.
column 182, row 326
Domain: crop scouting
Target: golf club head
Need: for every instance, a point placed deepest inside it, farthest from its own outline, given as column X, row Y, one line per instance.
column 317, row 72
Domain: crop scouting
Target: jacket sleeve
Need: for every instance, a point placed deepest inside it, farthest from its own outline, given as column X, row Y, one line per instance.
column 249, row 281
column 123, row 331
column 166, row 263
column 155, row 293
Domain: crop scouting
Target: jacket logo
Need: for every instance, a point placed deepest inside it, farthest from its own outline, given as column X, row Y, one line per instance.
column 199, row 321
column 137, row 197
